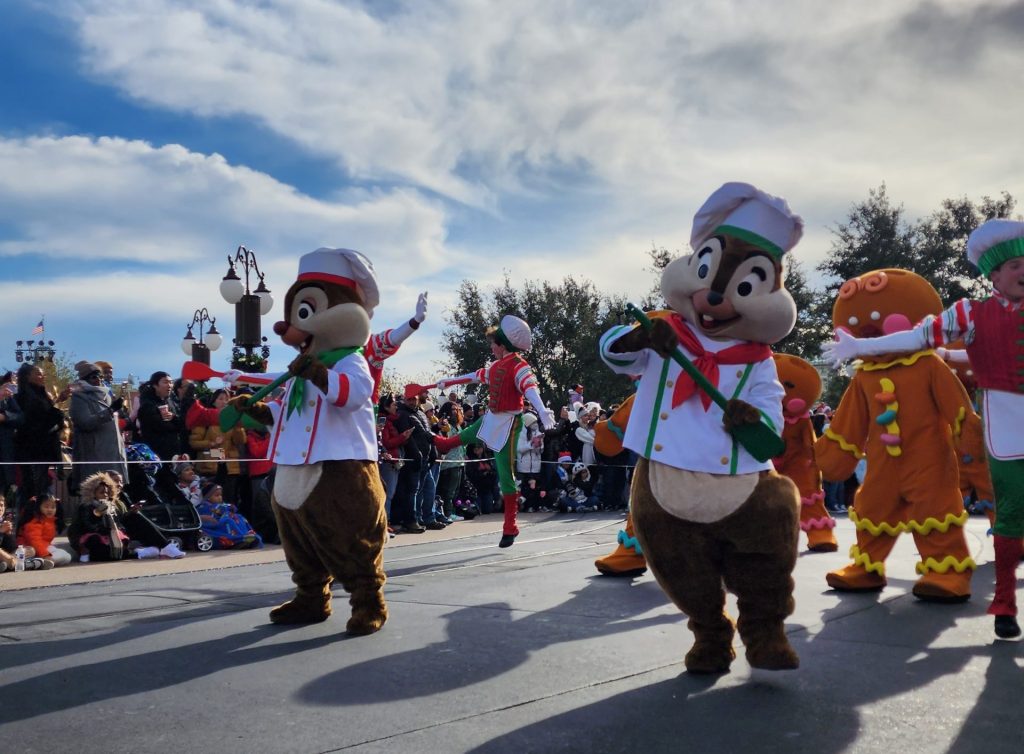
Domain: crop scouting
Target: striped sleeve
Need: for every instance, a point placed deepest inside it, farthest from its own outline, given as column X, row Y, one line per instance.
column 525, row 378
column 954, row 323
column 380, row 348
column 622, row 363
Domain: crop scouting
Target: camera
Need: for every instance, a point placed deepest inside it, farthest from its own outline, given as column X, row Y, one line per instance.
column 100, row 506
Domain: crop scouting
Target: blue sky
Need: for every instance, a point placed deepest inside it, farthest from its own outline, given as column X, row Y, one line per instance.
column 142, row 141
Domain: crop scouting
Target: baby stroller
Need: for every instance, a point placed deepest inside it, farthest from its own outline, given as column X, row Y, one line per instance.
column 153, row 486
column 465, row 504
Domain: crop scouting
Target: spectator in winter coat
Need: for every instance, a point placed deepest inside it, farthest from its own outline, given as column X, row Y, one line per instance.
column 554, row 444
column 418, row 454
column 38, row 528
column 98, row 444
column 10, row 419
column 159, row 426
column 37, row 440
column 529, row 448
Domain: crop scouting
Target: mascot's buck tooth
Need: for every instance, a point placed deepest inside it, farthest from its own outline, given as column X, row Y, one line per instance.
column 706, row 512
column 328, row 496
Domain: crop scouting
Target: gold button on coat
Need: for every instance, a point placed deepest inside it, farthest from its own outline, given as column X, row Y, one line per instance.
column 724, row 460
column 657, row 446
column 664, row 415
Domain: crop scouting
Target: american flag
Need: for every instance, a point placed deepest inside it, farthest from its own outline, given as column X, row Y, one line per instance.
column 38, row 329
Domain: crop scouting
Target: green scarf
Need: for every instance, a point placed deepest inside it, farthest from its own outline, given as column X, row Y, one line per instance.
column 296, row 398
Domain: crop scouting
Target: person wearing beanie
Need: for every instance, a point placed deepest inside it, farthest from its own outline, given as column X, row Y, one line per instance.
column 993, row 329
column 99, row 445
column 222, row 523
column 510, row 379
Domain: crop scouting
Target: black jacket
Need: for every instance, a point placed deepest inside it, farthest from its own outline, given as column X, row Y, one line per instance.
column 419, row 449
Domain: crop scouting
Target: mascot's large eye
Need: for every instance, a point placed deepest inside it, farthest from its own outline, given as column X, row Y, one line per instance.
column 755, row 279
column 306, row 310
column 706, row 256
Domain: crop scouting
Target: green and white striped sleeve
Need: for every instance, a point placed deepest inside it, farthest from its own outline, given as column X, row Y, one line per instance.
column 622, row 363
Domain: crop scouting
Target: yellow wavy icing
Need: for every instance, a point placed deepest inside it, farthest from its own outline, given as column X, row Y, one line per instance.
column 927, row 526
column 958, row 424
column 904, row 361
column 865, row 562
column 849, row 447
column 931, row 564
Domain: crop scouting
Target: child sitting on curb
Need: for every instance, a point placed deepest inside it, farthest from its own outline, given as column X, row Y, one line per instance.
column 37, row 530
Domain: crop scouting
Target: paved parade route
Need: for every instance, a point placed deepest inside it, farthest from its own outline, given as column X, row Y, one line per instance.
column 519, row 650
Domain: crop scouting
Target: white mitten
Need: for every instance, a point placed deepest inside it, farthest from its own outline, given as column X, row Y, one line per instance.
column 421, row 307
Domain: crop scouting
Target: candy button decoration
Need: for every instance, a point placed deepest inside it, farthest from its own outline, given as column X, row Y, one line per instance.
column 891, row 437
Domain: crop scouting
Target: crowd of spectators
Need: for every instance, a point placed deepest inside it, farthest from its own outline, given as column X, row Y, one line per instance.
column 557, row 469
column 66, row 453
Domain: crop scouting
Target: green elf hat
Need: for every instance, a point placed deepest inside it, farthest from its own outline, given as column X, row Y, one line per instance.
column 513, row 333
column 743, row 211
column 993, row 242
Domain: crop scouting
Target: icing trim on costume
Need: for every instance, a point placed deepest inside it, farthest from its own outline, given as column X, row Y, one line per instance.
column 891, row 437
column 627, row 541
column 931, row 564
column 904, row 361
column 824, row 522
column 814, row 497
column 958, row 424
column 849, row 447
column 929, row 525
column 863, row 560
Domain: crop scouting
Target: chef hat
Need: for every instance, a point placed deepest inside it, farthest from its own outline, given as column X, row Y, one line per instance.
column 342, row 267
column 513, row 333
column 995, row 241
column 745, row 212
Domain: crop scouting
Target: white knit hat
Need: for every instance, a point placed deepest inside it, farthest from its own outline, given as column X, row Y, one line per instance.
column 513, row 333
column 344, row 267
column 743, row 211
column 993, row 242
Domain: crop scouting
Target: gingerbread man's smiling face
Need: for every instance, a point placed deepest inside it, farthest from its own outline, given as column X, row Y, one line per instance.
column 801, row 382
column 883, row 302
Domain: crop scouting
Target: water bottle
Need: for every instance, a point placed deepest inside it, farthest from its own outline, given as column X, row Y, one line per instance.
column 19, row 558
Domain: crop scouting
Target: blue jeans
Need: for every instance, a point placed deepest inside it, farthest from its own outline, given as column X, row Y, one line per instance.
column 835, row 497
column 389, row 477
column 428, row 508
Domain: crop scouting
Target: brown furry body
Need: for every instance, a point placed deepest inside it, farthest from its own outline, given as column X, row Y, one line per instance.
column 751, row 552
column 337, row 534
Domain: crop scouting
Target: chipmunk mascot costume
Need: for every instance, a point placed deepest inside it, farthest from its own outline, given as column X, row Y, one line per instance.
column 803, row 388
column 902, row 413
column 708, row 515
column 328, row 498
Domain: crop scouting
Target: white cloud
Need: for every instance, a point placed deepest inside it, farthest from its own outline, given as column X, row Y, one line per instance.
column 118, row 199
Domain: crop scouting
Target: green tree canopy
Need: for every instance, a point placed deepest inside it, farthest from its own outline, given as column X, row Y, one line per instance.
column 566, row 319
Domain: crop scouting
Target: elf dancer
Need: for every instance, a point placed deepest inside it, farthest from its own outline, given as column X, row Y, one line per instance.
column 509, row 379
column 993, row 329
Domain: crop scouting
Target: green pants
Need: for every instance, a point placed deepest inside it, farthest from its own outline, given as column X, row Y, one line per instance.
column 505, row 459
column 1008, row 484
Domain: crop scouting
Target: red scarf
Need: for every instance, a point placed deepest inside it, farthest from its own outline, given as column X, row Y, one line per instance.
column 707, row 362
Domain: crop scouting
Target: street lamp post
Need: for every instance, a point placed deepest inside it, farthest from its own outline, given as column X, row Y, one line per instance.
column 249, row 307
column 34, row 351
column 199, row 350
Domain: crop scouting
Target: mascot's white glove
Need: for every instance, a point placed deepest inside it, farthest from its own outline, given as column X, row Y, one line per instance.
column 421, row 307
column 846, row 347
column 231, row 376
column 952, row 356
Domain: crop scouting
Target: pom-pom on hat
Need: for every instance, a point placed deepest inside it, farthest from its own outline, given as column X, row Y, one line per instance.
column 513, row 333
column 993, row 242
column 743, row 211
column 342, row 267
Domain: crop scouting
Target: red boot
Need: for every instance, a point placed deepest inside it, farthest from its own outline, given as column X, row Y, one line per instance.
column 1008, row 551
column 509, row 531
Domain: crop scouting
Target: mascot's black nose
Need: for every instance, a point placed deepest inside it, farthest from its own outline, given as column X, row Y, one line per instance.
column 714, row 298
